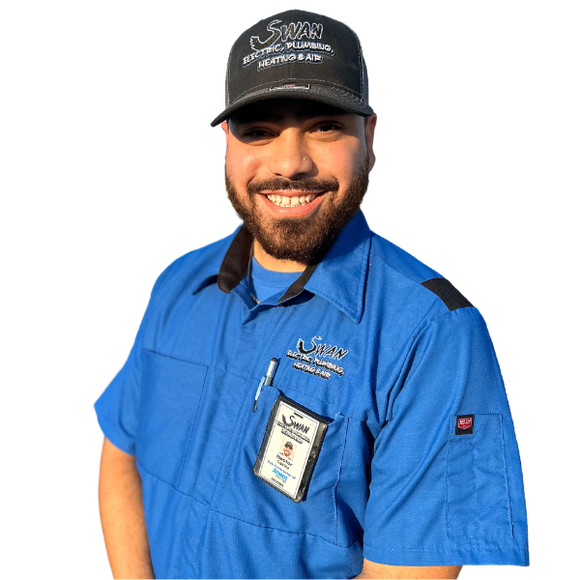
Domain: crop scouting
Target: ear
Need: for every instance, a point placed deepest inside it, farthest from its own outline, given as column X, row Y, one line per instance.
column 371, row 123
column 226, row 130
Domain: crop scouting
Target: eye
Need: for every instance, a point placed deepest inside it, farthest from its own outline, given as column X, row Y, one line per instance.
column 328, row 127
column 256, row 134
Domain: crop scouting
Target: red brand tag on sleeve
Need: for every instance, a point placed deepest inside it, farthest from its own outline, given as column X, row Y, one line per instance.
column 464, row 425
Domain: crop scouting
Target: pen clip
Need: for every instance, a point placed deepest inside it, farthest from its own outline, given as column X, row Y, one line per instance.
column 262, row 380
column 265, row 380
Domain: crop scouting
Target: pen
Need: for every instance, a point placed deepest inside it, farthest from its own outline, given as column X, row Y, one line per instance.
column 265, row 381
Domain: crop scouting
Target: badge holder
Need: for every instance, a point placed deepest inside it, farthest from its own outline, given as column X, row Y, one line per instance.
column 290, row 448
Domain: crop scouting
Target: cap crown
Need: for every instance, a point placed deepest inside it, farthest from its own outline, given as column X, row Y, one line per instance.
column 297, row 54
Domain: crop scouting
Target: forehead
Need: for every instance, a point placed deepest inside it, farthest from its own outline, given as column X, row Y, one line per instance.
column 280, row 110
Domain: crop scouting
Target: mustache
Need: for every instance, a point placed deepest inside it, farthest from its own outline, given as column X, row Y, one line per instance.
column 280, row 184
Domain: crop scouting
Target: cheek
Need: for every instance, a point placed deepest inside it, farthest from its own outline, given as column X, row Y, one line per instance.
column 343, row 168
column 342, row 162
column 241, row 166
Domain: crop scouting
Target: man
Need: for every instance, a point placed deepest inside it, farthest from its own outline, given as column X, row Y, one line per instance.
column 287, row 451
column 306, row 326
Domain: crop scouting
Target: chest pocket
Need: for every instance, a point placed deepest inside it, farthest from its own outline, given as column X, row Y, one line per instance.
column 246, row 497
column 171, row 390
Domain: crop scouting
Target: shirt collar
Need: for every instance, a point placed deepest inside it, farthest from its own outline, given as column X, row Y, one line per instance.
column 340, row 277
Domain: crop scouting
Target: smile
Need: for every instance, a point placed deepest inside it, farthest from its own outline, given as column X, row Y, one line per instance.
column 292, row 201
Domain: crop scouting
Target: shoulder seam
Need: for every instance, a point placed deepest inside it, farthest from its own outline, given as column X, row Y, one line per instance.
column 414, row 280
column 447, row 293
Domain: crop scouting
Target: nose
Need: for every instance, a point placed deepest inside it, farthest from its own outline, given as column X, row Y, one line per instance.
column 290, row 157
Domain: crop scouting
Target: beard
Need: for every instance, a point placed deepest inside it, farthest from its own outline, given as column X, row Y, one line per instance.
column 306, row 238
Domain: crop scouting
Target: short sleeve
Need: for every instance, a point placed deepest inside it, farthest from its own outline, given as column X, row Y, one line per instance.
column 118, row 407
column 446, row 482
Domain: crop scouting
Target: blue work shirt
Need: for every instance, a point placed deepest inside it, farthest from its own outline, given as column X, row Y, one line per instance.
column 419, row 466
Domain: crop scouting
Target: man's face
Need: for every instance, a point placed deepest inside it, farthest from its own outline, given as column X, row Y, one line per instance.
column 296, row 173
column 287, row 451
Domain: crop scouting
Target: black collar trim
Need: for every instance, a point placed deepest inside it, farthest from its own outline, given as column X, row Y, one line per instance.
column 235, row 266
column 298, row 285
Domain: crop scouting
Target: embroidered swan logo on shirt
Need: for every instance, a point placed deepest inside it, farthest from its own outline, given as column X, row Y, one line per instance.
column 317, row 359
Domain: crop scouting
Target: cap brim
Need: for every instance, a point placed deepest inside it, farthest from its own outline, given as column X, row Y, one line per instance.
column 328, row 95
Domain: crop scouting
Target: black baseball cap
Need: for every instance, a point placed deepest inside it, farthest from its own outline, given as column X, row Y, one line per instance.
column 289, row 444
column 300, row 55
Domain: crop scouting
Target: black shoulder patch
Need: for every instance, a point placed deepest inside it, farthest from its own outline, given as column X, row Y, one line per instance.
column 452, row 298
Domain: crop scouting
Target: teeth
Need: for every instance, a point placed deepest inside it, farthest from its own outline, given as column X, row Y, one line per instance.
column 294, row 201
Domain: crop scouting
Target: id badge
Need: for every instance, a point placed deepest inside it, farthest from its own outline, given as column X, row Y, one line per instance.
column 290, row 448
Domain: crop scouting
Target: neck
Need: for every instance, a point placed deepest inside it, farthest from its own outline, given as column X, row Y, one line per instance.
column 271, row 263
